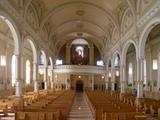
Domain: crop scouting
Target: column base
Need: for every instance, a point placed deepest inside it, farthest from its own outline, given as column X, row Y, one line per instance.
column 121, row 96
column 138, row 102
column 19, row 103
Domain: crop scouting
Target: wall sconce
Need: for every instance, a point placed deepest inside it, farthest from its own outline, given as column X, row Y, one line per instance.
column 49, row 74
column 55, row 76
column 109, row 75
column 117, row 73
column 155, row 64
column 41, row 72
column 79, row 76
column 102, row 77
column 3, row 60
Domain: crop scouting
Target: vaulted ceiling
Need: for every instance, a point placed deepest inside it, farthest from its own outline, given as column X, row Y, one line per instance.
column 89, row 17
column 93, row 20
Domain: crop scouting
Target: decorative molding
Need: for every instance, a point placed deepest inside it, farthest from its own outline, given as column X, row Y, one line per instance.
column 21, row 21
column 149, row 14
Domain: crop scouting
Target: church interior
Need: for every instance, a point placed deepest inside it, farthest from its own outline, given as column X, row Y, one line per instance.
column 79, row 59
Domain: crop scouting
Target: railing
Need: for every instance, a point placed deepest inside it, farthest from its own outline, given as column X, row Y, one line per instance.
column 79, row 69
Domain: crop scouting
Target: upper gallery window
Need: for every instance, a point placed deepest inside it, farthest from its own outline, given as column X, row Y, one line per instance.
column 100, row 63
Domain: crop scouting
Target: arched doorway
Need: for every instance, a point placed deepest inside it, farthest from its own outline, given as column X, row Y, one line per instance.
column 109, row 75
column 9, row 47
column 150, row 53
column 43, row 70
column 79, row 86
column 129, row 70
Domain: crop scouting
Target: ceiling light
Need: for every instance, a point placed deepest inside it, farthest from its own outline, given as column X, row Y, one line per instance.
column 80, row 12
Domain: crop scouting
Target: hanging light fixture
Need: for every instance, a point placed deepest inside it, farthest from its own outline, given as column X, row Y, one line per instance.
column 117, row 73
column 109, row 75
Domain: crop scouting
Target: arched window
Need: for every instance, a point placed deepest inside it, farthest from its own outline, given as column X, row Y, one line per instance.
column 117, row 61
column 42, row 59
column 13, row 71
column 130, row 74
column 28, row 72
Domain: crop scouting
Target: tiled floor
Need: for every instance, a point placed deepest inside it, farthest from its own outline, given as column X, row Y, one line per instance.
column 80, row 109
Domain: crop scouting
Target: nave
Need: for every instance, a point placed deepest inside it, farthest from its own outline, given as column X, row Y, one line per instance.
column 50, row 49
column 72, row 105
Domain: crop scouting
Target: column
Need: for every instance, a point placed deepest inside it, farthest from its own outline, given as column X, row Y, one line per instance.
column 45, row 77
column 140, row 89
column 56, row 82
column 140, row 77
column 68, row 56
column 92, row 81
column 123, row 78
column 35, row 77
column 113, row 79
column 106, row 81
column 17, row 76
column 68, row 82
column 158, row 73
column 91, row 54
column 52, row 80
column 150, row 70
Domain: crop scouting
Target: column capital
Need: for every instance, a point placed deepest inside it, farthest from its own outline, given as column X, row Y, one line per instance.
column 35, row 63
column 122, row 65
column 68, row 45
column 106, row 81
column 16, row 54
column 139, row 82
column 123, row 82
column 91, row 45
column 141, row 58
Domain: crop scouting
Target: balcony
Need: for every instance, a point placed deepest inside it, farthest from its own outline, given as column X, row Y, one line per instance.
column 84, row 69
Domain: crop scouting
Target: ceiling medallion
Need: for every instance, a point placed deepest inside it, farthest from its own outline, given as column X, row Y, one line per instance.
column 80, row 12
column 79, row 34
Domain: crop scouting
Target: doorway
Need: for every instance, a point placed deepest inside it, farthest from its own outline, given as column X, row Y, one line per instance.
column 79, row 86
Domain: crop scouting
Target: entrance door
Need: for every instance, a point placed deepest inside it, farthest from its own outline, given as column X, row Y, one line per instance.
column 42, row 85
column 79, row 86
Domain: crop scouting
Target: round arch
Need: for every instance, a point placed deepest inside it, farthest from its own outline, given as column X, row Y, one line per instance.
column 145, row 33
column 115, row 55
column 51, row 61
column 125, row 49
column 33, row 46
column 14, row 30
column 45, row 57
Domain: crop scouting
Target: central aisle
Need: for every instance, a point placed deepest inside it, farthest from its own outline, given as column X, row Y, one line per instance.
column 80, row 109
